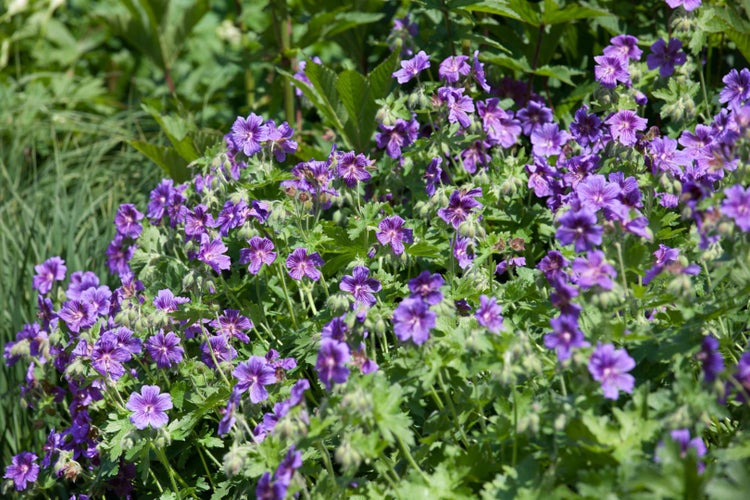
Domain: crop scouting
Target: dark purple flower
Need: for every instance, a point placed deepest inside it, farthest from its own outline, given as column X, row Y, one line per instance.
column 427, row 287
column 108, row 355
column 594, row 270
column 666, row 56
column 212, row 252
column 710, row 358
column 434, row 175
column 687, row 4
column 248, row 133
column 394, row 137
column 353, row 168
column 474, row 154
column 149, row 407
column 413, row 320
column 361, row 286
column 477, row 69
column 586, row 128
column 500, row 126
column 167, row 302
column 737, row 206
column 291, row 462
column 301, row 264
column 623, row 126
column 253, row 375
column 453, row 67
column 624, row 47
column 610, row 366
column 742, row 377
column 489, row 314
column 165, row 349
column 233, row 215
column 682, row 438
column 218, row 348
column 166, row 198
column 391, row 231
column 664, row 256
column 78, row 315
column 609, row 70
column 579, row 227
column 534, row 115
column 412, row 67
column 736, row 89
column 270, row 490
column 260, row 252
column 553, row 265
column 336, row 329
column 51, row 270
column 126, row 221
column 666, row 157
column 461, row 252
column 280, row 140
column 23, row 470
column 460, row 204
column 548, row 139
column 331, row 363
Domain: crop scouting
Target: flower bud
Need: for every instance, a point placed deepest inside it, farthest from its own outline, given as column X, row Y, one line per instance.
column 347, row 456
column 234, row 461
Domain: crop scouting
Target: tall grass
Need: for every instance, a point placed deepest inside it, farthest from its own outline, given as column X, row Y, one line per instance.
column 63, row 173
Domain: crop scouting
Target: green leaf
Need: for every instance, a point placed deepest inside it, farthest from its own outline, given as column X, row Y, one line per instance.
column 520, row 10
column 168, row 159
column 562, row 73
column 574, row 11
column 354, row 91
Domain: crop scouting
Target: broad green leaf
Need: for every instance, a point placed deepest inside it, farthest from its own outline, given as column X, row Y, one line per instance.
column 554, row 15
column 562, row 73
column 520, row 10
column 167, row 158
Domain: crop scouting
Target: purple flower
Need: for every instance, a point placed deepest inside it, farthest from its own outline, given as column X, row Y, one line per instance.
column 687, row 4
column 682, row 438
column 231, row 216
column 609, row 70
column 453, row 67
column 623, row 47
column 434, row 175
column 248, row 133
column 534, row 115
column 260, row 252
column 108, row 355
column 413, row 320
column 489, row 314
column 478, row 69
column 579, row 227
column 666, row 157
column 736, row 87
column 594, row 270
column 331, row 363
column 623, row 126
column 586, row 128
column 253, row 375
column 233, row 325
column 51, row 270
column 664, row 256
column 270, row 490
column 548, row 139
column 118, row 256
column 218, row 348
column 126, row 221
column 23, row 470
column 353, row 168
column 597, row 193
column 461, row 252
column 165, row 349
column 412, row 67
column 391, row 231
column 280, row 140
column 710, row 358
column 212, row 252
column 610, row 366
column 78, row 315
column 565, row 336
column 361, row 286
column 396, row 136
column 737, row 206
column 167, row 302
column 553, row 265
column 149, row 407
column 458, row 105
column 460, row 204
column 666, row 56
column 500, row 126
column 165, row 199
column 427, row 287
column 336, row 329
column 301, row 264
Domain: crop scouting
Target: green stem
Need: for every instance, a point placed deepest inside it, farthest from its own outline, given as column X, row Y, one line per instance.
column 452, row 408
column 170, row 472
column 286, row 295
column 515, row 426
column 327, row 460
column 410, row 459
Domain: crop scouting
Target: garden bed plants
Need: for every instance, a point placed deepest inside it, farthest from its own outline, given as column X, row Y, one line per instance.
column 460, row 271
